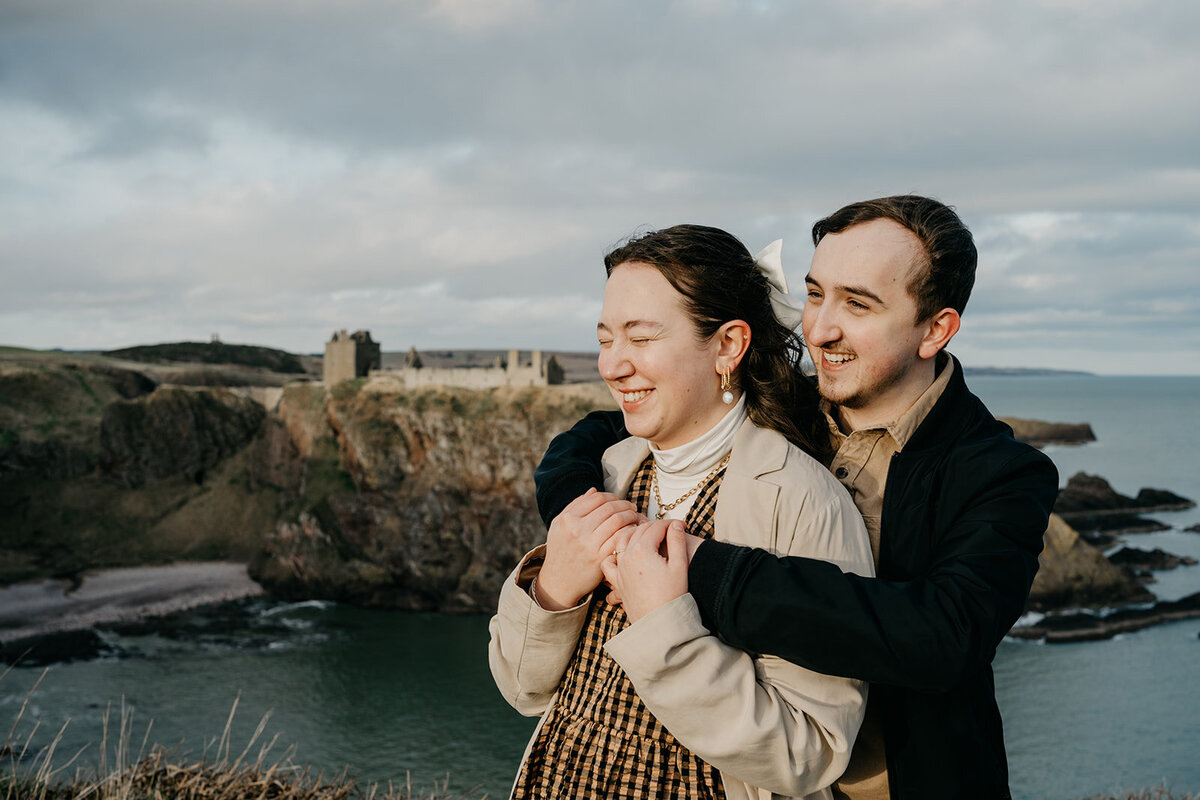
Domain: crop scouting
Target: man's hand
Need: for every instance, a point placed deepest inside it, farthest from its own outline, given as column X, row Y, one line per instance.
column 651, row 569
column 580, row 538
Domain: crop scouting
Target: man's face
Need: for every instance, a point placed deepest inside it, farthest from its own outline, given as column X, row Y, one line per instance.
column 860, row 321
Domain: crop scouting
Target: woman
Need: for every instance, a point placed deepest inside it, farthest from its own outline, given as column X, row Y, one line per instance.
column 708, row 379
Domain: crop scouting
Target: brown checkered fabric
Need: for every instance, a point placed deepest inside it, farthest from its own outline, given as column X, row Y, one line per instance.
column 599, row 740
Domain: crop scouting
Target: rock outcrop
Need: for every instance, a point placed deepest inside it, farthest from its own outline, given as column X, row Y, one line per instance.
column 418, row 500
column 1091, row 505
column 1157, row 558
column 1073, row 573
column 1039, row 434
column 49, row 413
column 1085, row 626
column 175, row 431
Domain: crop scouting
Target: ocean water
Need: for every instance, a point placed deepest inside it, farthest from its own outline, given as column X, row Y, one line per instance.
column 394, row 696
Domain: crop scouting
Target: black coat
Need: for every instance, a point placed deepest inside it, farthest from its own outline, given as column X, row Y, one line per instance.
column 964, row 511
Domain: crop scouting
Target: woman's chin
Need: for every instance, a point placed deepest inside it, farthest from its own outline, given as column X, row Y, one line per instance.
column 637, row 426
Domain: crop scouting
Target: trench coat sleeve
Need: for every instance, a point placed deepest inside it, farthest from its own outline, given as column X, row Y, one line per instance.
column 571, row 464
column 762, row 720
column 529, row 646
column 926, row 633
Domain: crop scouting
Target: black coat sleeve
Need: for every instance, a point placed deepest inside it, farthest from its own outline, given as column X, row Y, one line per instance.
column 926, row 633
column 571, row 464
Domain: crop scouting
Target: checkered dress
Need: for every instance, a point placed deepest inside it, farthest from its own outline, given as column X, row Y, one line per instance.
column 599, row 740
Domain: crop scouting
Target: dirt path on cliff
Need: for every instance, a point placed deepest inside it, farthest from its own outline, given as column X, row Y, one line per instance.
column 35, row 608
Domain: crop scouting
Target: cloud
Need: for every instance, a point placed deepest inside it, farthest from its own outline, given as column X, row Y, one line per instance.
column 238, row 165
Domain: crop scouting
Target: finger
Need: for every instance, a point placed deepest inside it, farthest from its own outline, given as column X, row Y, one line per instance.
column 619, row 540
column 649, row 537
column 614, row 524
column 587, row 502
column 606, row 510
column 614, row 597
column 609, row 567
column 692, row 543
column 677, row 549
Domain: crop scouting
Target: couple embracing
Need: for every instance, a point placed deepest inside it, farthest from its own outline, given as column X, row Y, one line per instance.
column 808, row 582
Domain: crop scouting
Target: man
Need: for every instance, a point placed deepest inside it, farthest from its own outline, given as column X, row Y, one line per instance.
column 956, row 509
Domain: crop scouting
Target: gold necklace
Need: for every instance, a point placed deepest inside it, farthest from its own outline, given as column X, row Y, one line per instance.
column 663, row 508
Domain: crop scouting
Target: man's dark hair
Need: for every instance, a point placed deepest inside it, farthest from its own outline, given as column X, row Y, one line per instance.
column 948, row 275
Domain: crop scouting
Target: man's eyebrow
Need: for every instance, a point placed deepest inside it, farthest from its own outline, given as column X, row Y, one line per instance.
column 858, row 291
column 861, row 291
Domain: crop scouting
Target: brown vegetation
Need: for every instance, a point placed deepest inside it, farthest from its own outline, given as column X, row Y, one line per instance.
column 123, row 773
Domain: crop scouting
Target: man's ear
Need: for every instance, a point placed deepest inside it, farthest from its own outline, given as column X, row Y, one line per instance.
column 939, row 330
column 733, row 340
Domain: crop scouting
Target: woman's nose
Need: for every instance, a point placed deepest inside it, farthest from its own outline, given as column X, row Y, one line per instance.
column 613, row 364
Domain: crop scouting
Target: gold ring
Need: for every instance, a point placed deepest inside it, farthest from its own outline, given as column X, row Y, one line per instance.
column 618, row 551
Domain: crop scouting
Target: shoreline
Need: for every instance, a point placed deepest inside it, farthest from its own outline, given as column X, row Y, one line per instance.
column 126, row 594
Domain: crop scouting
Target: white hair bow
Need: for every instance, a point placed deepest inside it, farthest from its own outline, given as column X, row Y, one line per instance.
column 770, row 262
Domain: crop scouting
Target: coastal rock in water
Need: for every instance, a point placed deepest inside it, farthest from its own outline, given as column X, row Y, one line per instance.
column 1039, row 434
column 1091, row 505
column 1072, row 573
column 1148, row 559
column 175, row 431
column 1086, row 626
column 1090, row 494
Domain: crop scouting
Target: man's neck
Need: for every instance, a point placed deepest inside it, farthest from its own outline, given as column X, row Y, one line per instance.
column 888, row 408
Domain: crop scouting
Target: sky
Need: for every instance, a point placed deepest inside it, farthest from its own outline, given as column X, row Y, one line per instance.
column 450, row 173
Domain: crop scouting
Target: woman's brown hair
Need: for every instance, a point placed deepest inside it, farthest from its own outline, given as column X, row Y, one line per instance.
column 719, row 282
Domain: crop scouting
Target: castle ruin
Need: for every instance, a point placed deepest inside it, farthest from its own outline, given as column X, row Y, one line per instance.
column 349, row 356
column 537, row 371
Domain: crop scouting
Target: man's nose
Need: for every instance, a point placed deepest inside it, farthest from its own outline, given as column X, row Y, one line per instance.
column 822, row 327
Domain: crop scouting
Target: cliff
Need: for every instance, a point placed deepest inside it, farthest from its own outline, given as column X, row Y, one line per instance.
column 417, row 500
column 100, row 466
column 367, row 494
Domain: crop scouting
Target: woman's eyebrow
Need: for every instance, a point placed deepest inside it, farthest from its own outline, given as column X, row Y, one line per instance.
column 633, row 323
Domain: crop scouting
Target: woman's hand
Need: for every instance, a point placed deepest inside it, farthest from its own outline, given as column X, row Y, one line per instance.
column 580, row 538
column 642, row 576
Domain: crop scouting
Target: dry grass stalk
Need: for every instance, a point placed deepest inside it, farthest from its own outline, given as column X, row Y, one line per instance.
column 155, row 775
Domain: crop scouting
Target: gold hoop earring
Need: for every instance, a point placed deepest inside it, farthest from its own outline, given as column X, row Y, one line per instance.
column 726, row 394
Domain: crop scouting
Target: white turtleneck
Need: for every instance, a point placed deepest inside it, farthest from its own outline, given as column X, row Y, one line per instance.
column 681, row 468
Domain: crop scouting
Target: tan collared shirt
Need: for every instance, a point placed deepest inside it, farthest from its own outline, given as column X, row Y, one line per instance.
column 861, row 465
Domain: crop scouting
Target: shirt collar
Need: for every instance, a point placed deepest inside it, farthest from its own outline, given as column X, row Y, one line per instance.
column 903, row 428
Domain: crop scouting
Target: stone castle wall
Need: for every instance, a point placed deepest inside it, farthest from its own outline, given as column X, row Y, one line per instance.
column 535, row 372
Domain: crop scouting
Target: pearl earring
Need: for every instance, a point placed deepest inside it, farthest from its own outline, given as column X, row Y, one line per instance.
column 726, row 395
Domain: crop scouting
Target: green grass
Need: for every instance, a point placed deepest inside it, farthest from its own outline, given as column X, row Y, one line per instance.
column 89, row 391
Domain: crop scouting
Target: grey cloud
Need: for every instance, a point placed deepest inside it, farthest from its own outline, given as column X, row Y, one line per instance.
column 496, row 150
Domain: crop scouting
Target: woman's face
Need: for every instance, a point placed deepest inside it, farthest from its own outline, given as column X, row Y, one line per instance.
column 663, row 378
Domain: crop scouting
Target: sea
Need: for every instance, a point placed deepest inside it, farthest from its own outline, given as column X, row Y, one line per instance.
column 406, row 699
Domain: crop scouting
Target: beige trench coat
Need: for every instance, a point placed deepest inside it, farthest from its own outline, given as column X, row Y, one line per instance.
column 772, row 728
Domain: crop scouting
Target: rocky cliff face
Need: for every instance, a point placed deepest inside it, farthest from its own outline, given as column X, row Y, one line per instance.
column 419, row 500
column 1072, row 572
column 175, row 431
column 100, row 468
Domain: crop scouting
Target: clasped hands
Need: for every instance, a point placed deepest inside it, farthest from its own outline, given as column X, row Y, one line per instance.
column 602, row 538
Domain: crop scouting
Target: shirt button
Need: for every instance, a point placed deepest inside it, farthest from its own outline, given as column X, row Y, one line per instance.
column 841, row 472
